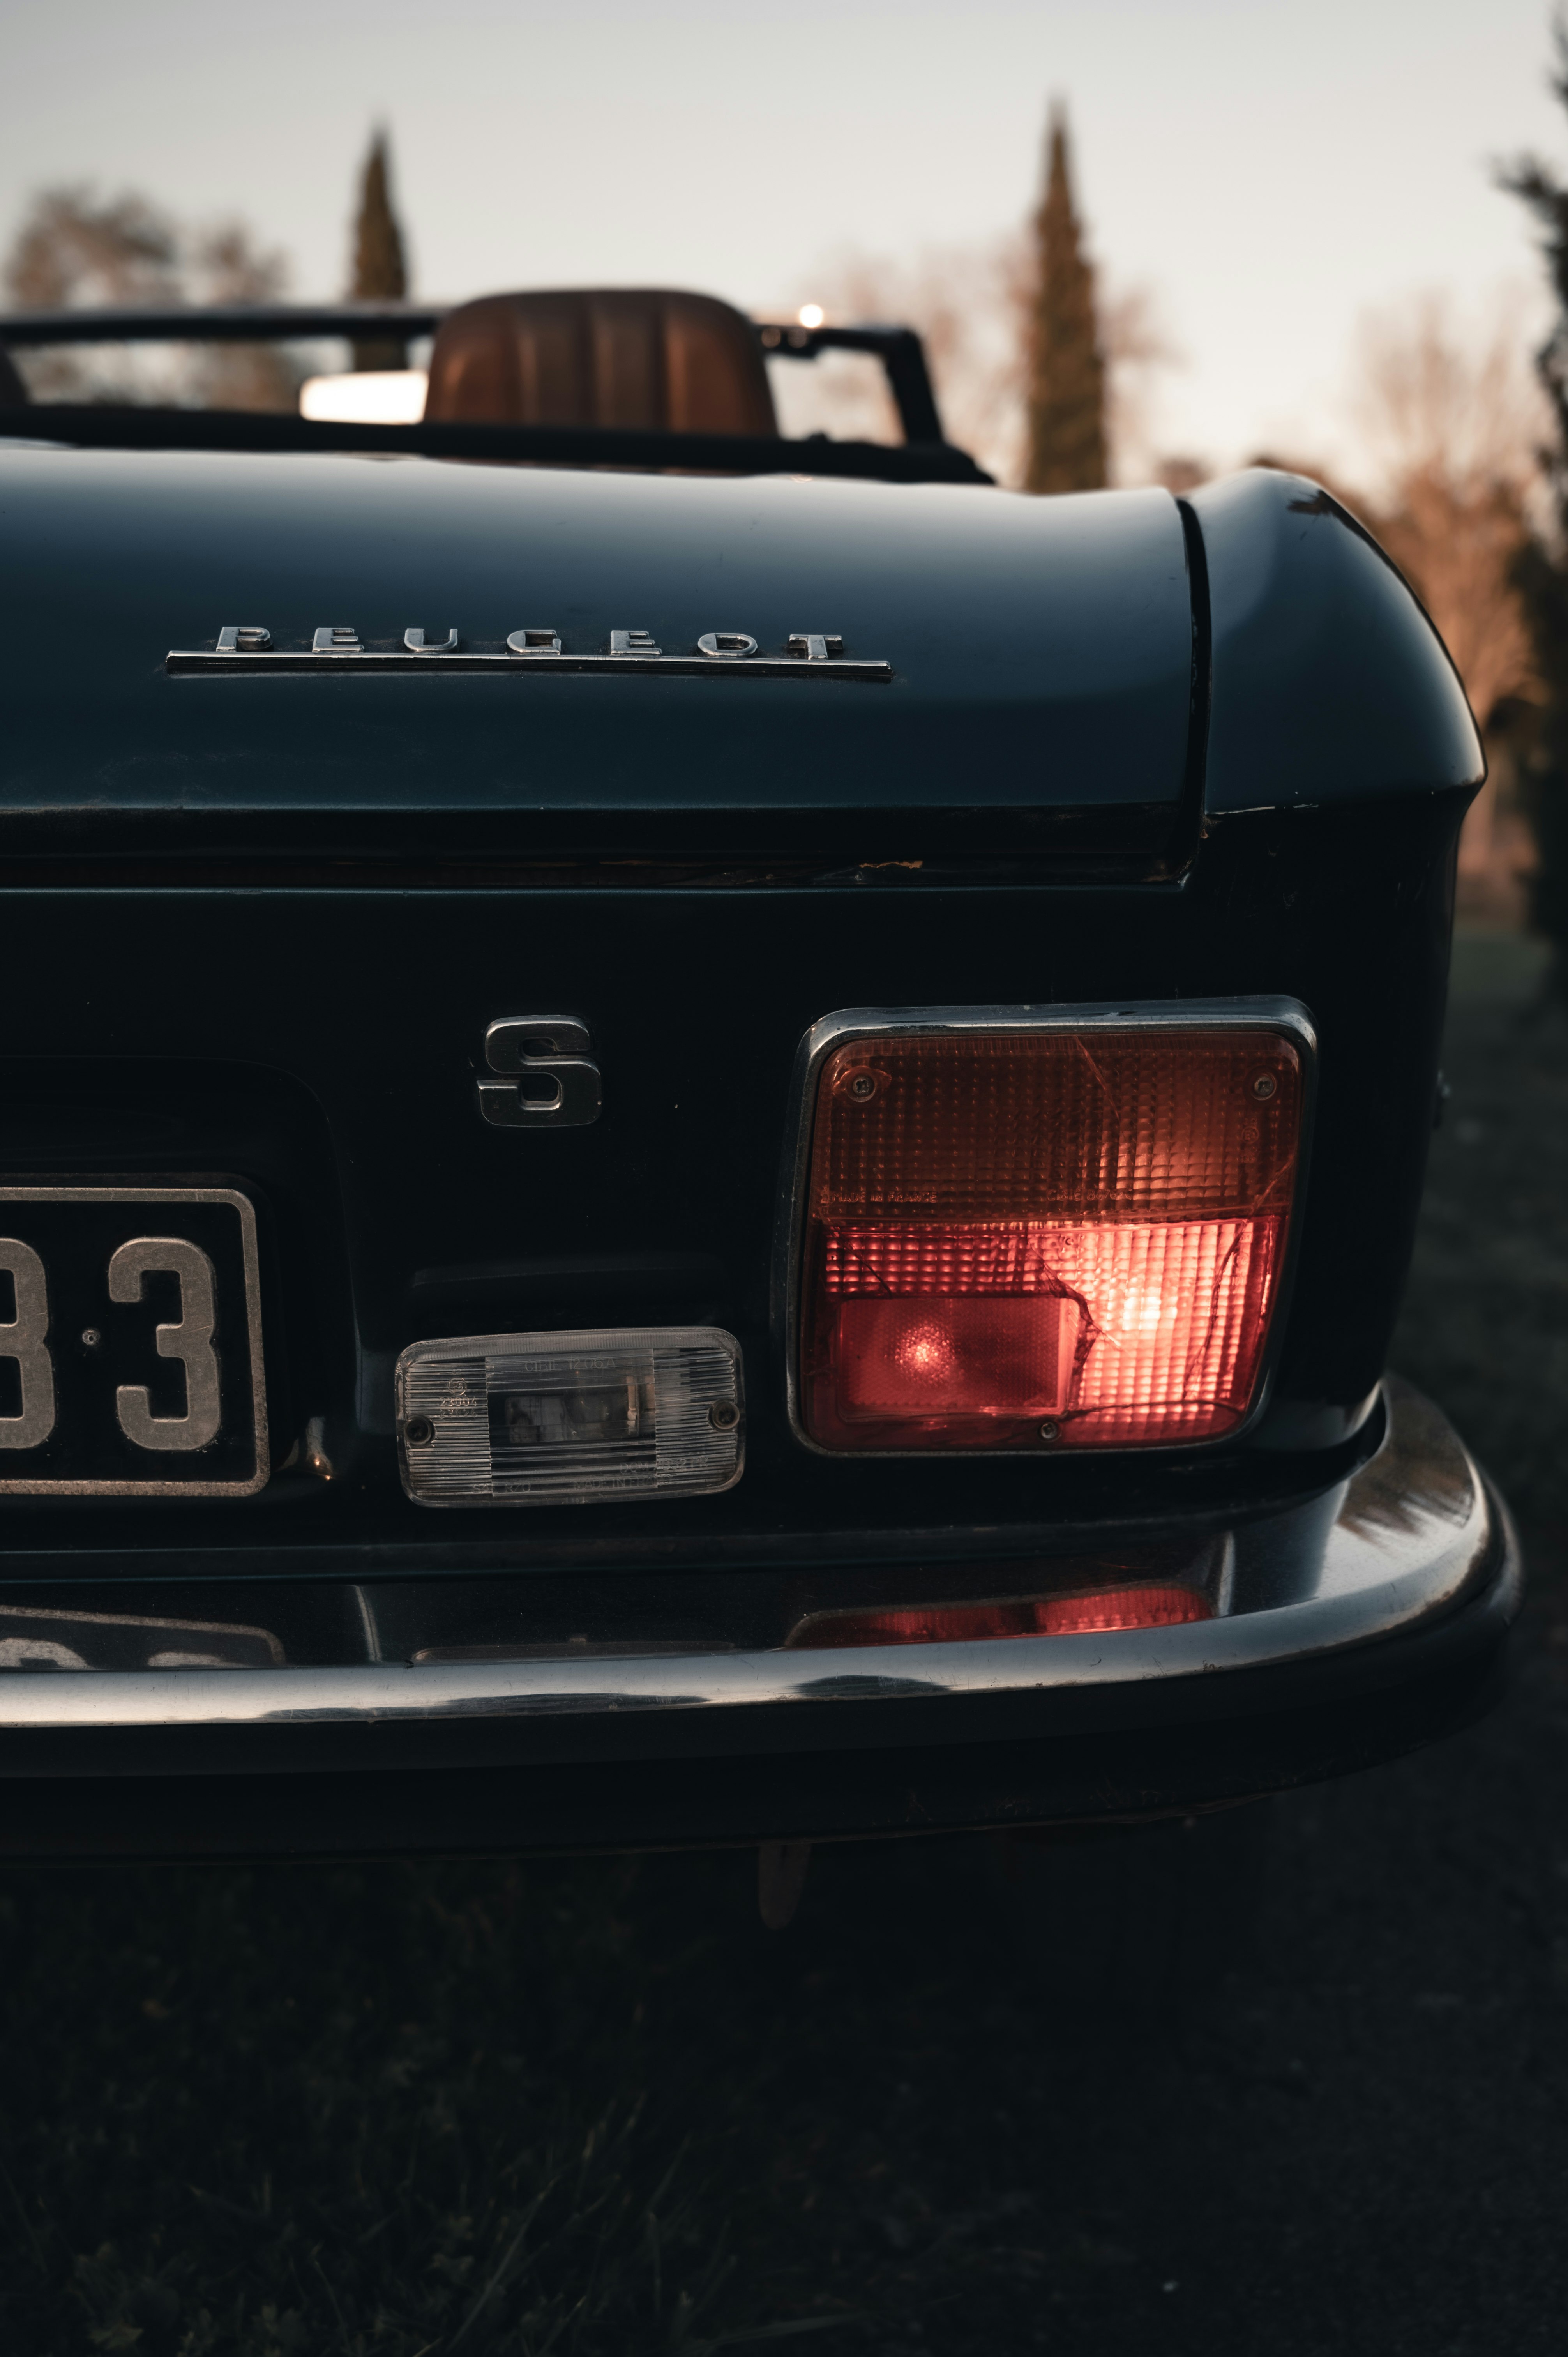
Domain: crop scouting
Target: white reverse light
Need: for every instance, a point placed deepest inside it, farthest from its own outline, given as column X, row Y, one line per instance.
column 366, row 397
column 812, row 315
column 564, row 1419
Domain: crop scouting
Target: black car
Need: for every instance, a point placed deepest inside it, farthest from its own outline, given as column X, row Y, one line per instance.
column 705, row 1138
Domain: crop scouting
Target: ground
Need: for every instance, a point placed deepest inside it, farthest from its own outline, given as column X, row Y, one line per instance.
column 593, row 2107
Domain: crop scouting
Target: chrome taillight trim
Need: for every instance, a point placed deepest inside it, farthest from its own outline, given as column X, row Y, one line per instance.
column 1264, row 1013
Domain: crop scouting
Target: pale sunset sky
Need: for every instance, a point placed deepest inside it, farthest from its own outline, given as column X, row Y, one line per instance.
column 1271, row 171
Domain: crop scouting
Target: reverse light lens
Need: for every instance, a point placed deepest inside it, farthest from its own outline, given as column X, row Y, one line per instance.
column 366, row 397
column 569, row 1419
column 1060, row 1238
column 1163, row 1604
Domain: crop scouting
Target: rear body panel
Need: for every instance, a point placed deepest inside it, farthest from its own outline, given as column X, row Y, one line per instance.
column 1042, row 654
column 322, row 1049
column 255, row 930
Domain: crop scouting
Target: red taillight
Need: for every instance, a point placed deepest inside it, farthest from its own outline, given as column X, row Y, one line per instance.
column 1157, row 1605
column 1066, row 1237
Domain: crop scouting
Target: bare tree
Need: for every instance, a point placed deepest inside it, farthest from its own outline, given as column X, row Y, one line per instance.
column 963, row 302
column 75, row 250
column 1450, row 421
column 225, row 265
column 1450, row 418
column 1138, row 348
column 972, row 307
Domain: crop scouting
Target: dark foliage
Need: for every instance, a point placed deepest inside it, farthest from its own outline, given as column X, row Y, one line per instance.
column 1541, row 571
column 1542, row 581
column 381, row 269
column 1067, row 367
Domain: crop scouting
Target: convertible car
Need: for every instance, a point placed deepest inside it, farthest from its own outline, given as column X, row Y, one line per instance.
column 705, row 1138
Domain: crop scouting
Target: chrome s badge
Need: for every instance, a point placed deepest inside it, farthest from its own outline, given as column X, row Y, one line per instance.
column 249, row 649
column 548, row 1079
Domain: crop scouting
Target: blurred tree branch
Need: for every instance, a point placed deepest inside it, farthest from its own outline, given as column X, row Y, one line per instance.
column 970, row 306
column 1451, row 424
column 77, row 250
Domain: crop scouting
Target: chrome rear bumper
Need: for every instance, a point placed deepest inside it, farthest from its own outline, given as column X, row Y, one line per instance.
column 1406, row 1571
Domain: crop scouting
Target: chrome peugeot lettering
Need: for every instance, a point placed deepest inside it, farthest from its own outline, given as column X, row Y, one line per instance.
column 251, row 649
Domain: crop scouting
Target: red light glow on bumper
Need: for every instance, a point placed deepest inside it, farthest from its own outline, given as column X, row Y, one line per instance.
column 1165, row 1604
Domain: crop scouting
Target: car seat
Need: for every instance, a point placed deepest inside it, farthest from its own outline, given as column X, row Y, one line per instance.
column 638, row 358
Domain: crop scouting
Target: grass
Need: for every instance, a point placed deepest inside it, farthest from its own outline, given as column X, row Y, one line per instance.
column 334, row 2110
column 591, row 2107
column 1486, row 1322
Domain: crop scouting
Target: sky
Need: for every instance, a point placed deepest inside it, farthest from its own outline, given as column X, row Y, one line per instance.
column 1272, row 172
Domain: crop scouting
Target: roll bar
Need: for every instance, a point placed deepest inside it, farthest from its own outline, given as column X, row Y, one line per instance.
column 900, row 350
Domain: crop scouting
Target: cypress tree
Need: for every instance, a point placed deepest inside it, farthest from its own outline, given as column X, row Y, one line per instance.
column 380, row 273
column 1067, row 370
column 1542, row 571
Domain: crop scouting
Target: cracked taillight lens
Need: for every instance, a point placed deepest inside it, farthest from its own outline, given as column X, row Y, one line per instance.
column 1060, row 1238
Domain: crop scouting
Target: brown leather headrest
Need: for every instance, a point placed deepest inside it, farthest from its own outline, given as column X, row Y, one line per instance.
column 638, row 358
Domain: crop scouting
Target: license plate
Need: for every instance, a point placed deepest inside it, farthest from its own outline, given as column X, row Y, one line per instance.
column 130, row 1342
